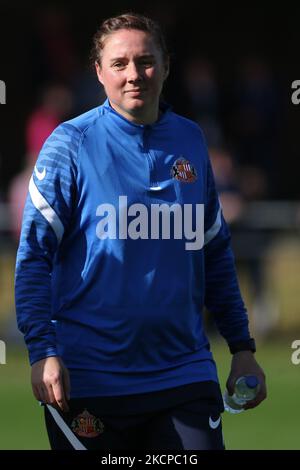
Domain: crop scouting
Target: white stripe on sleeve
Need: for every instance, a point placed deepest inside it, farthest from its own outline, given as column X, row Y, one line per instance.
column 212, row 232
column 46, row 210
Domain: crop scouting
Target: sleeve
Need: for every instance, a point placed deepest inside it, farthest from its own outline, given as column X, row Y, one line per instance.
column 222, row 294
column 46, row 218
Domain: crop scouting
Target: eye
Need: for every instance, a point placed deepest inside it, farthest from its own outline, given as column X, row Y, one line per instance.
column 118, row 65
column 147, row 63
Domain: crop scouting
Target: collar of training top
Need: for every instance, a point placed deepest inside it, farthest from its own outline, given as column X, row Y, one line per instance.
column 164, row 107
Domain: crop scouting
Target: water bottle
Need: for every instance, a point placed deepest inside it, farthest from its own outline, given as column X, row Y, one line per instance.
column 245, row 389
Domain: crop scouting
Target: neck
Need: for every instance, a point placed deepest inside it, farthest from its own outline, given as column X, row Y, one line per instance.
column 137, row 117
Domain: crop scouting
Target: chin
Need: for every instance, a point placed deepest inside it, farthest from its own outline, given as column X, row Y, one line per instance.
column 136, row 101
column 138, row 105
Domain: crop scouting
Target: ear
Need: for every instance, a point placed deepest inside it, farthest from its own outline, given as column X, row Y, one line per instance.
column 99, row 72
column 167, row 68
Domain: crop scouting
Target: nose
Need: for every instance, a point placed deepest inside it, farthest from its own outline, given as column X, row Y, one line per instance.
column 133, row 73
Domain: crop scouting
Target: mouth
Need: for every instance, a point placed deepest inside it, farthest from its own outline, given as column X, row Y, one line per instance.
column 135, row 91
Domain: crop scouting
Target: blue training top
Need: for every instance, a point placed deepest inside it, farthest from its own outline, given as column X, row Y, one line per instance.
column 123, row 243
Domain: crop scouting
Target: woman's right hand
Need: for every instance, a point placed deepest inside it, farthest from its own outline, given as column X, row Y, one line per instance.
column 51, row 383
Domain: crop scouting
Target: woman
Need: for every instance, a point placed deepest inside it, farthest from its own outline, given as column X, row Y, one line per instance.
column 123, row 243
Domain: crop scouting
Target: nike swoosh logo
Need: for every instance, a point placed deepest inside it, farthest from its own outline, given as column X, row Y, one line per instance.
column 40, row 174
column 214, row 424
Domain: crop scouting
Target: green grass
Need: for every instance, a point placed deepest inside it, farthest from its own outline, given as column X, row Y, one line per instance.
column 22, row 422
column 272, row 425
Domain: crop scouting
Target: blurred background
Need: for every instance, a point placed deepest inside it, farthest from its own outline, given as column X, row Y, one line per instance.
column 231, row 71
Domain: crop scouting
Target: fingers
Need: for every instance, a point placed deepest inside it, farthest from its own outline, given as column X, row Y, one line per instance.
column 39, row 393
column 59, row 395
column 49, row 395
column 50, row 382
column 36, row 393
column 230, row 385
column 44, row 393
column 262, row 395
column 66, row 383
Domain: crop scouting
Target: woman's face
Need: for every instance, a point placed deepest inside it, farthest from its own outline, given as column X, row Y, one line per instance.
column 132, row 72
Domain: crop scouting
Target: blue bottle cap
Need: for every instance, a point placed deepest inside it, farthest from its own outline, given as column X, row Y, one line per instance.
column 251, row 381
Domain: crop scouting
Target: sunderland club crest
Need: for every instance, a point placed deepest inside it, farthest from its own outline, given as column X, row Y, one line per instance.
column 87, row 425
column 182, row 170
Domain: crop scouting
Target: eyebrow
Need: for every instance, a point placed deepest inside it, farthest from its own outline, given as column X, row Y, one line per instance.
column 144, row 56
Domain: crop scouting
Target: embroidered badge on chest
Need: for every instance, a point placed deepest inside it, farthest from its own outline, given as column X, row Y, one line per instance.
column 182, row 170
column 87, row 425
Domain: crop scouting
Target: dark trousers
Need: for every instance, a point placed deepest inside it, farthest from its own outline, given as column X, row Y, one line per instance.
column 185, row 426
